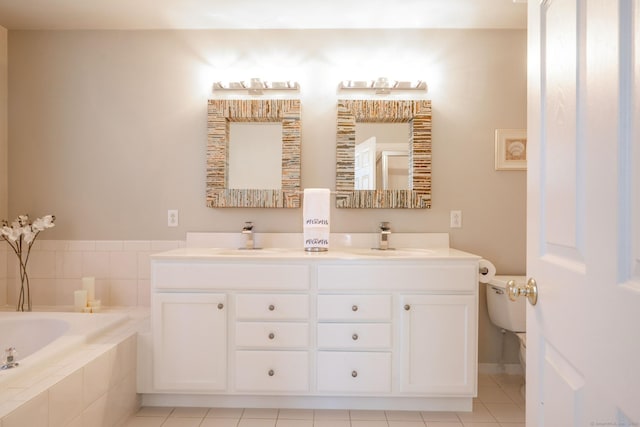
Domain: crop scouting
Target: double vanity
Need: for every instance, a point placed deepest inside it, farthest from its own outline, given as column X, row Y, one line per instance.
column 353, row 328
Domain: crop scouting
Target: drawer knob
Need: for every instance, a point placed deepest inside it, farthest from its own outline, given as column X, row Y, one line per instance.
column 271, row 372
column 354, row 308
column 272, row 336
column 354, row 374
column 407, row 307
column 272, row 307
column 220, row 306
column 354, row 337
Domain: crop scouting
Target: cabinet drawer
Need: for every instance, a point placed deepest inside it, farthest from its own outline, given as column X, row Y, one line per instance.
column 376, row 308
column 354, row 335
column 272, row 371
column 354, row 372
column 433, row 275
column 206, row 274
column 272, row 334
column 272, row 306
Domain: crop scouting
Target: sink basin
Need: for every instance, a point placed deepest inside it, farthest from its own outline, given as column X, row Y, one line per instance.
column 400, row 252
column 347, row 253
column 248, row 252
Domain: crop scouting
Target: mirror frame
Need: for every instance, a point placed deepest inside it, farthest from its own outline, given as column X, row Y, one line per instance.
column 418, row 114
column 220, row 113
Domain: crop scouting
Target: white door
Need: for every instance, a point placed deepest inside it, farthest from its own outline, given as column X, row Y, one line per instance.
column 583, row 213
column 365, row 165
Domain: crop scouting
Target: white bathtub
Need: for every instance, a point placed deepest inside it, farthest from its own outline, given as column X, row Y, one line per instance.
column 40, row 337
column 88, row 359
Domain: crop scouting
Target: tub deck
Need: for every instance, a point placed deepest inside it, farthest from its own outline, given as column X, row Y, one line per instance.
column 92, row 365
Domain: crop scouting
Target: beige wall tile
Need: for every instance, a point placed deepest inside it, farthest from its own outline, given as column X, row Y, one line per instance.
column 65, row 400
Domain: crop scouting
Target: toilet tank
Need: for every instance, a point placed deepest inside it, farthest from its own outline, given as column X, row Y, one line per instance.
column 504, row 313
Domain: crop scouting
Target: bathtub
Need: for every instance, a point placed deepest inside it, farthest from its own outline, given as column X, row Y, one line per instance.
column 87, row 361
column 41, row 337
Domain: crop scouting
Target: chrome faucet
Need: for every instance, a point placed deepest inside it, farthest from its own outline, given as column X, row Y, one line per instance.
column 9, row 361
column 247, row 231
column 385, row 231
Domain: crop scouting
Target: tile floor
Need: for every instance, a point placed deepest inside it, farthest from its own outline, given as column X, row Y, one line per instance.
column 499, row 404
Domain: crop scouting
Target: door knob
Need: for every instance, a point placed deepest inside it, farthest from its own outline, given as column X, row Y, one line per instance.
column 530, row 290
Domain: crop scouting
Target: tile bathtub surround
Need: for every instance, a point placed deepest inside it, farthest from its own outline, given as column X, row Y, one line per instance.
column 93, row 386
column 56, row 268
column 497, row 405
column 3, row 273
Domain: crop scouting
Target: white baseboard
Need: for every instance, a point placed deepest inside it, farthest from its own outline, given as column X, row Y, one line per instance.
column 500, row 368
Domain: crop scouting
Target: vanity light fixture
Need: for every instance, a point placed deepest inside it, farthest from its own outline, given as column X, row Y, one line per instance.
column 256, row 86
column 382, row 86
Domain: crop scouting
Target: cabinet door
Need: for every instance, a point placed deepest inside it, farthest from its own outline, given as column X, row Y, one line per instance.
column 439, row 351
column 189, row 342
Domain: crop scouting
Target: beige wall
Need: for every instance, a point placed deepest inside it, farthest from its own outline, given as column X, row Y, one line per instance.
column 3, row 123
column 108, row 130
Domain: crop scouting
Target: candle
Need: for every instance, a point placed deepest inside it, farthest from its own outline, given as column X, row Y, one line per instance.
column 95, row 305
column 79, row 300
column 89, row 285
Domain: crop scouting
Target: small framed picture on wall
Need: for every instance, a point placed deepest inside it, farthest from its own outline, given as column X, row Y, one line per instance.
column 511, row 149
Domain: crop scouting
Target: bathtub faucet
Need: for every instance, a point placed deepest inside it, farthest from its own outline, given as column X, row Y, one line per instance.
column 9, row 360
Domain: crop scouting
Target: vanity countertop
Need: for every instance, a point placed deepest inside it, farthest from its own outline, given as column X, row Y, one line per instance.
column 347, row 254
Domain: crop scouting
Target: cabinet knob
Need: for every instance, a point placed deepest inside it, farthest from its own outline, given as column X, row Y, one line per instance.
column 272, row 307
column 220, row 306
column 354, row 337
column 272, row 336
column 354, row 308
column 407, row 307
column 354, row 374
column 271, row 372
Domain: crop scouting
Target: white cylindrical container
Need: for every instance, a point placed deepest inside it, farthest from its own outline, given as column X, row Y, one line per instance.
column 79, row 300
column 89, row 285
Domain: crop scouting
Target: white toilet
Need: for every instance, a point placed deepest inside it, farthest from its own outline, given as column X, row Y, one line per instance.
column 506, row 314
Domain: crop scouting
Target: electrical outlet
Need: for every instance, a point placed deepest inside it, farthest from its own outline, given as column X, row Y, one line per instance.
column 456, row 219
column 172, row 218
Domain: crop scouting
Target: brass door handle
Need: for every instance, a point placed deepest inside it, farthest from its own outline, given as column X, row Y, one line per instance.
column 530, row 290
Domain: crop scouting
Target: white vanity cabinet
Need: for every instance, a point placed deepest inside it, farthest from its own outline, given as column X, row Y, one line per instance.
column 350, row 330
column 433, row 309
column 272, row 343
column 190, row 341
column 354, row 343
column 438, row 342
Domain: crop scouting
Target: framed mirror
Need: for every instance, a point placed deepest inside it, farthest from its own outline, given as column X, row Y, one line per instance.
column 267, row 139
column 357, row 182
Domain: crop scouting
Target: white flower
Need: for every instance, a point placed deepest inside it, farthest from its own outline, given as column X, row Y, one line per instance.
column 11, row 233
column 20, row 228
column 48, row 221
column 23, row 220
column 28, row 234
column 38, row 224
column 5, row 231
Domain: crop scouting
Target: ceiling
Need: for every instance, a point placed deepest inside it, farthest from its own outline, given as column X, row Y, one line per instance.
column 260, row 14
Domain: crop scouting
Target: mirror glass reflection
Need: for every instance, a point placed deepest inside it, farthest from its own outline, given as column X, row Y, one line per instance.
column 255, row 155
column 391, row 193
column 262, row 150
column 382, row 156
